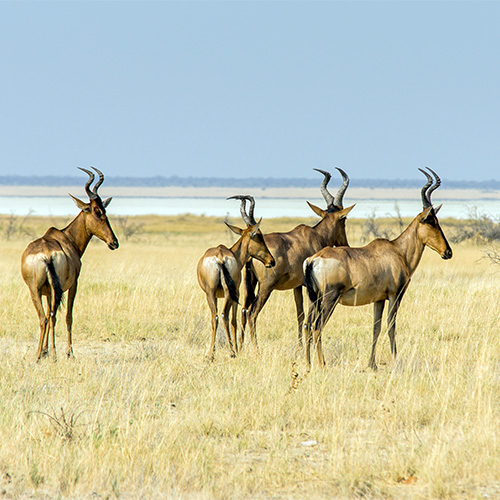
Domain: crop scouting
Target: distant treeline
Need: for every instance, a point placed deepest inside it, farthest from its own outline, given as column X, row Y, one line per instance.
column 254, row 182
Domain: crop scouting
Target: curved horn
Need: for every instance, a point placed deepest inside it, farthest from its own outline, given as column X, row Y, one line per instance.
column 91, row 175
column 426, row 202
column 324, row 191
column 436, row 185
column 339, row 197
column 248, row 219
column 99, row 182
column 251, row 209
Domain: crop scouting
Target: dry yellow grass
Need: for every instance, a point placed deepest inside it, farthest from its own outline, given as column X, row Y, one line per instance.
column 140, row 413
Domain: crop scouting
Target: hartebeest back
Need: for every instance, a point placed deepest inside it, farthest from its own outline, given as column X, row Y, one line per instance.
column 375, row 273
column 219, row 273
column 51, row 264
column 290, row 249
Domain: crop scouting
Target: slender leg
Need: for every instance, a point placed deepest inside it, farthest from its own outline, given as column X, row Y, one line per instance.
column 299, row 306
column 378, row 309
column 212, row 304
column 243, row 324
column 249, row 284
column 234, row 324
column 69, row 319
column 44, row 340
column 51, row 316
column 225, row 321
column 330, row 300
column 312, row 318
column 37, row 302
column 391, row 323
column 254, row 311
column 47, row 326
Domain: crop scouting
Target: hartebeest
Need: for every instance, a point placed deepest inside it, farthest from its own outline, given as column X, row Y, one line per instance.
column 290, row 250
column 375, row 273
column 51, row 264
column 219, row 273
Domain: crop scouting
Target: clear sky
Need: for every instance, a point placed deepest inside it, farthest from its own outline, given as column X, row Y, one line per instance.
column 250, row 88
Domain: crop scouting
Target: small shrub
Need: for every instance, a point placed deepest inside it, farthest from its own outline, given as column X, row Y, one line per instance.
column 479, row 228
column 128, row 228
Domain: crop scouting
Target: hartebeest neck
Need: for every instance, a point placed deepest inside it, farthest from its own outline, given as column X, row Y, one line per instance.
column 410, row 246
column 328, row 232
column 240, row 251
column 77, row 233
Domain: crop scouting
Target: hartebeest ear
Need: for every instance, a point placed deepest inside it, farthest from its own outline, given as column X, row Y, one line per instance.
column 345, row 211
column 317, row 210
column 436, row 210
column 426, row 213
column 85, row 207
column 106, row 202
column 255, row 228
column 234, row 229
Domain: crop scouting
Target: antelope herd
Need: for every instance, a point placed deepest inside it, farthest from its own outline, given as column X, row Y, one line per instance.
column 317, row 257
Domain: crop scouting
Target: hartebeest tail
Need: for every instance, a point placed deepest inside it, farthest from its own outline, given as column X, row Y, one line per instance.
column 310, row 282
column 376, row 273
column 290, row 249
column 51, row 264
column 219, row 273
column 55, row 284
column 229, row 282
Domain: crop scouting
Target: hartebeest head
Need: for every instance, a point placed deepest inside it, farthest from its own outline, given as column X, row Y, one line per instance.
column 94, row 212
column 333, row 203
column 334, row 206
column 256, row 245
column 429, row 230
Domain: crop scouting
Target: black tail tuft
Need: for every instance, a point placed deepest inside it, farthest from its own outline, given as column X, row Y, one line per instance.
column 231, row 285
column 310, row 283
column 56, row 285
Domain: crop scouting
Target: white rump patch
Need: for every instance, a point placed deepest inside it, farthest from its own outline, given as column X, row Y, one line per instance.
column 35, row 258
column 210, row 264
column 231, row 264
column 321, row 265
column 323, row 269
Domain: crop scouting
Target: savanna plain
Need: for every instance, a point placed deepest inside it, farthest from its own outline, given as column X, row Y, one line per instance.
column 141, row 413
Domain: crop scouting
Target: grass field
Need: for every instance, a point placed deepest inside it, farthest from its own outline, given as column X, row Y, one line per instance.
column 141, row 413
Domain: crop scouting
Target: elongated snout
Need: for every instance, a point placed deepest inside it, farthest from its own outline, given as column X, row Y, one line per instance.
column 113, row 245
column 271, row 263
column 448, row 254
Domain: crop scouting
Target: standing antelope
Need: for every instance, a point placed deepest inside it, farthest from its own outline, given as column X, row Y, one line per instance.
column 51, row 264
column 290, row 250
column 375, row 273
column 219, row 273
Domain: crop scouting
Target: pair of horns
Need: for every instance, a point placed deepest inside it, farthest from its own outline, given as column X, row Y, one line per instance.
column 331, row 201
column 429, row 187
column 427, row 190
column 248, row 218
column 92, row 193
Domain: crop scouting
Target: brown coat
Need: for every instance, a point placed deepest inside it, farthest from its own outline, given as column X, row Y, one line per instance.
column 375, row 273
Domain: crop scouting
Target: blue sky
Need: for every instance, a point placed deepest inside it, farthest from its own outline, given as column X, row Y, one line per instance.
column 250, row 89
